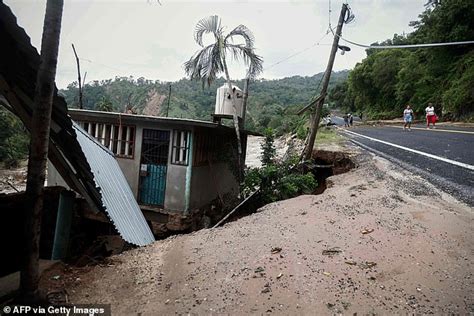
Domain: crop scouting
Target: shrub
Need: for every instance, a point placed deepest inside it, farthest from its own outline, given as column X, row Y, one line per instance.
column 277, row 180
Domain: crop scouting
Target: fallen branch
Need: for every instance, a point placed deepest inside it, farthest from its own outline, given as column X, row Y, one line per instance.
column 236, row 208
column 10, row 184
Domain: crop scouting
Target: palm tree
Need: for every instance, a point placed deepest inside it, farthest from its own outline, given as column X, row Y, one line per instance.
column 41, row 122
column 211, row 60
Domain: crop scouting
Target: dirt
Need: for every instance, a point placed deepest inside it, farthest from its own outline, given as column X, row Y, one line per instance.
column 378, row 241
column 153, row 104
column 13, row 180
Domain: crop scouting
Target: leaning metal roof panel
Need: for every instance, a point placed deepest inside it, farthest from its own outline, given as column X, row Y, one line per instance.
column 19, row 63
column 117, row 197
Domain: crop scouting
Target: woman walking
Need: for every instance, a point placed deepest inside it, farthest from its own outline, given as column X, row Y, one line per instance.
column 408, row 118
column 430, row 115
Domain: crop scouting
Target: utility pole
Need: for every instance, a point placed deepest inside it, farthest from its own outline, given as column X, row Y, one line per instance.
column 169, row 96
column 327, row 75
column 78, row 77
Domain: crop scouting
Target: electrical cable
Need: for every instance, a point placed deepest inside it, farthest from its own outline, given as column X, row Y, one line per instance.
column 318, row 43
column 404, row 46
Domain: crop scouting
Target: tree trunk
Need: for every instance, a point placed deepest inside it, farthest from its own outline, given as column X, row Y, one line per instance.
column 235, row 117
column 244, row 101
column 40, row 127
column 78, row 77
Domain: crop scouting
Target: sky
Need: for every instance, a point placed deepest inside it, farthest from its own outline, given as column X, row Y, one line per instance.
column 153, row 38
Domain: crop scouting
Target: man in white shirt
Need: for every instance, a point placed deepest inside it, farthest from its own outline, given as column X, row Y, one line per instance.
column 430, row 115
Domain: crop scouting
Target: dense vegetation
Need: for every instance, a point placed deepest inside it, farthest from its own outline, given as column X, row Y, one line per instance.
column 272, row 103
column 13, row 139
column 389, row 79
column 277, row 180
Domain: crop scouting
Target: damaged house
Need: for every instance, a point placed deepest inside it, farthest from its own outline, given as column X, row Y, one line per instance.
column 136, row 173
column 84, row 164
column 172, row 165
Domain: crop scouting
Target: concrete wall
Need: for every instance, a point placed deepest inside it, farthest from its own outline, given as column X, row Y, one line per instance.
column 208, row 182
column 175, row 188
column 54, row 178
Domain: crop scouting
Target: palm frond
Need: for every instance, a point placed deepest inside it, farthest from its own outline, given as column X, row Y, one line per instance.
column 210, row 24
column 205, row 64
column 248, row 56
column 243, row 31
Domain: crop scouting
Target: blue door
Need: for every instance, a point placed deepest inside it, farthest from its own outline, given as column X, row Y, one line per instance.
column 153, row 167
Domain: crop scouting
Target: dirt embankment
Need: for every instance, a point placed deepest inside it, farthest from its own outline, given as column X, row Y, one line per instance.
column 379, row 240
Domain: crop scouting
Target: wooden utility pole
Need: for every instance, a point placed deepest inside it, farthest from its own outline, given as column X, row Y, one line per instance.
column 40, row 128
column 169, row 97
column 327, row 75
column 78, row 77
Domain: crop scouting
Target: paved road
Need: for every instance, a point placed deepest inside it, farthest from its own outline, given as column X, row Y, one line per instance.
column 443, row 156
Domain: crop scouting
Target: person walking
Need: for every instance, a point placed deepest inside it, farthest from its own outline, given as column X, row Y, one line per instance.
column 430, row 115
column 407, row 118
column 346, row 120
column 351, row 119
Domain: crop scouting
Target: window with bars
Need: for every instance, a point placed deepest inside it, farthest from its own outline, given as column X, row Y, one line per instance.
column 180, row 152
column 120, row 139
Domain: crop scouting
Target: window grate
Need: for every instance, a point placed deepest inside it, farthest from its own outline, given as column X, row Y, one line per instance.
column 120, row 139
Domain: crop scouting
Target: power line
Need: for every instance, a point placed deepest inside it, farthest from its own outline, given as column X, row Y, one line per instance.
column 406, row 46
column 300, row 52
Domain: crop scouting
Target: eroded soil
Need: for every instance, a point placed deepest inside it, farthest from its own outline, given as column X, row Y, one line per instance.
column 394, row 245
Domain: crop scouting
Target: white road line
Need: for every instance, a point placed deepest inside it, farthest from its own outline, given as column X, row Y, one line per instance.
column 453, row 162
column 435, row 130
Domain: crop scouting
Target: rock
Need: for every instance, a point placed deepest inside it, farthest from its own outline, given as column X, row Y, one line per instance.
column 276, row 250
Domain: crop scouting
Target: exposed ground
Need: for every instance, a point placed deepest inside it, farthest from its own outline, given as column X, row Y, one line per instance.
column 308, row 255
column 13, row 180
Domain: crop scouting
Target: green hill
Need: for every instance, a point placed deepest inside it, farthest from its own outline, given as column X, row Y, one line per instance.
column 271, row 103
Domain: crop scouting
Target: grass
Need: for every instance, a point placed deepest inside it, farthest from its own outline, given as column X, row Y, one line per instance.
column 328, row 135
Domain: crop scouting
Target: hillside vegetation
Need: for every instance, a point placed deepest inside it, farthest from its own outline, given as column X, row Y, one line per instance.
column 389, row 79
column 272, row 103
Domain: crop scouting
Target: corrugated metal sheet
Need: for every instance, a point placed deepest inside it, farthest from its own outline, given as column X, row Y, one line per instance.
column 117, row 197
column 19, row 62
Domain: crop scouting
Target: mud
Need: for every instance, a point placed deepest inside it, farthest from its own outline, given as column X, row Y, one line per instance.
column 405, row 248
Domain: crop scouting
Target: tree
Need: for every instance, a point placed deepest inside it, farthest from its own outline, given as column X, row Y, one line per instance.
column 268, row 148
column 40, row 127
column 384, row 82
column 211, row 60
column 104, row 105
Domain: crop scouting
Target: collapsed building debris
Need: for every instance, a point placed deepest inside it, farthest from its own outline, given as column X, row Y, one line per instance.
column 86, row 166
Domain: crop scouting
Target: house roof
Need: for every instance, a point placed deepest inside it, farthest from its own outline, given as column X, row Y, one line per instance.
column 114, row 116
column 77, row 158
